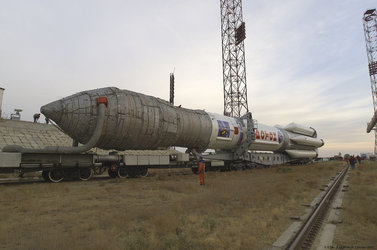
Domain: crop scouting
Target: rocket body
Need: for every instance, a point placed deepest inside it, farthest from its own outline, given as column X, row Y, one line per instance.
column 135, row 122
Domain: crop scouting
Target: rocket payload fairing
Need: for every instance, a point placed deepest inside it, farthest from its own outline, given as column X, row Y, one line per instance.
column 136, row 121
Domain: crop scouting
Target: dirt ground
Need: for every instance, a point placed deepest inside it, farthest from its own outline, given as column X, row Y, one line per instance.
column 234, row 210
column 359, row 227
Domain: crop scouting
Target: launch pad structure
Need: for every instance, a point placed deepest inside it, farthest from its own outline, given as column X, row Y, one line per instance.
column 233, row 56
column 370, row 32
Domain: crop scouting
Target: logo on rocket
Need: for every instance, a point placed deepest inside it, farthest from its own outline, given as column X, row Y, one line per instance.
column 224, row 129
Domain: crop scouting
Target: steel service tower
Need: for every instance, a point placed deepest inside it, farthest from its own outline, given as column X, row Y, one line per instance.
column 370, row 31
column 233, row 54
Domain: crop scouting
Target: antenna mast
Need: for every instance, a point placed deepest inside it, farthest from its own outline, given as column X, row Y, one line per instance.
column 233, row 55
column 171, row 99
column 370, row 32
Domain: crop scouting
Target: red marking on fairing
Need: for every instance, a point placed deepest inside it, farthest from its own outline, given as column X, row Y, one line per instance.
column 102, row 99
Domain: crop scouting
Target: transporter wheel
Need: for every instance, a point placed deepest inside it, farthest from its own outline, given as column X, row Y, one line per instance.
column 144, row 171
column 85, row 174
column 132, row 171
column 112, row 174
column 122, row 172
column 45, row 175
column 194, row 170
column 56, row 175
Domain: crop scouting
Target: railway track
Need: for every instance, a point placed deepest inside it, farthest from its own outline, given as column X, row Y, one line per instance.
column 153, row 172
column 305, row 237
column 35, row 179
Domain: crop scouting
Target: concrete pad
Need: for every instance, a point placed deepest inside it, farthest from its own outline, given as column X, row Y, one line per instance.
column 337, row 204
column 327, row 236
column 333, row 216
column 284, row 239
column 317, row 199
column 306, row 214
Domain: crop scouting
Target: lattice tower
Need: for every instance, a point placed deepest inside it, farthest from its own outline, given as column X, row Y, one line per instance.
column 370, row 31
column 233, row 55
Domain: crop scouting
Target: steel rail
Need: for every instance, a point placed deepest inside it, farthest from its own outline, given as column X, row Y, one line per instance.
column 36, row 180
column 32, row 180
column 305, row 236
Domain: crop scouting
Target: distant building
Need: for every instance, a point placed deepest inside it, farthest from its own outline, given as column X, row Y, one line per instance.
column 17, row 115
column 367, row 156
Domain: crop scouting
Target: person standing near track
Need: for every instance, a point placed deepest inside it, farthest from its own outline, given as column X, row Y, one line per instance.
column 347, row 159
column 352, row 160
column 201, row 170
column 358, row 158
column 36, row 117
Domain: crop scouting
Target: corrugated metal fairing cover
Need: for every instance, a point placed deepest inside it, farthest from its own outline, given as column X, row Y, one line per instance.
column 134, row 121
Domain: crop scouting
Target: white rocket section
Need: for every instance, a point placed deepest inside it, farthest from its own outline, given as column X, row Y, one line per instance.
column 298, row 154
column 308, row 141
column 267, row 138
column 295, row 140
column 227, row 132
column 299, row 129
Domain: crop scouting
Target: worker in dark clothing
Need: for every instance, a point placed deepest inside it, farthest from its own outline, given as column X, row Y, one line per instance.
column 352, row 160
column 358, row 158
column 201, row 170
column 36, row 117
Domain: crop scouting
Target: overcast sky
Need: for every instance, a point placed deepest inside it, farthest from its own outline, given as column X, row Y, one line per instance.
column 306, row 59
